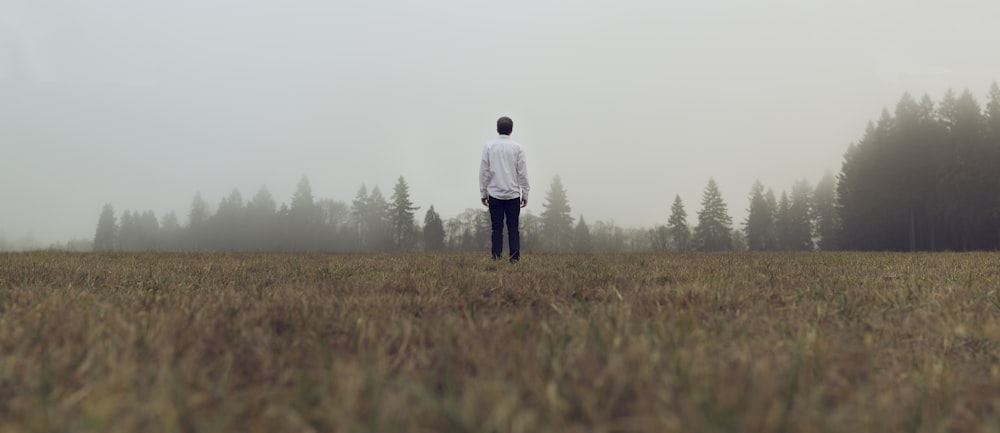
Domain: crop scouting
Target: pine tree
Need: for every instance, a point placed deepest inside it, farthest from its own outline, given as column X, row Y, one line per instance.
column 912, row 158
column 965, row 171
column 149, row 231
column 825, row 213
column 581, row 237
column 377, row 221
column 773, row 204
column 170, row 232
column 104, row 238
column 263, row 203
column 680, row 234
column 303, row 209
column 858, row 201
column 197, row 222
column 227, row 223
column 800, row 217
column 739, row 240
column 714, row 222
column 759, row 225
column 557, row 224
column 401, row 213
column 783, row 222
column 993, row 114
column 261, row 213
column 128, row 232
column 359, row 218
column 433, row 231
column 302, row 224
column 992, row 144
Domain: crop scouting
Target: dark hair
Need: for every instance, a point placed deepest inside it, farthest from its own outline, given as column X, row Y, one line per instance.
column 505, row 125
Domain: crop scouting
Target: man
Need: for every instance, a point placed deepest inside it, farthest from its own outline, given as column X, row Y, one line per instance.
column 503, row 187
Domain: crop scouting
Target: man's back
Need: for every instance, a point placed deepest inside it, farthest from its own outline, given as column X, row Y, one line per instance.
column 503, row 172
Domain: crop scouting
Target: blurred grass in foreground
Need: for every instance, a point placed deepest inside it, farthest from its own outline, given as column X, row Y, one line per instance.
column 832, row 342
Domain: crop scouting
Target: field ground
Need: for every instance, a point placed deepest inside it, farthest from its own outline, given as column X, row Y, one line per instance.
column 824, row 342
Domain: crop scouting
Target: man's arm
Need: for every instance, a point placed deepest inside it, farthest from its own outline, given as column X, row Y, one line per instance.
column 522, row 177
column 484, row 175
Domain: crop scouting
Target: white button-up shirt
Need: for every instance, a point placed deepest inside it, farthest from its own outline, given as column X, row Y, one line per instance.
column 503, row 171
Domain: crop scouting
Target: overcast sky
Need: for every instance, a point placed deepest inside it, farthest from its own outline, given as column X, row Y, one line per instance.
column 142, row 104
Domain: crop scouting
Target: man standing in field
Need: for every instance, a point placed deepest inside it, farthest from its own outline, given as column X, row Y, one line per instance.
column 503, row 187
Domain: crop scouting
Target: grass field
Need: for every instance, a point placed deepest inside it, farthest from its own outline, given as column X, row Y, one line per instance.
column 831, row 342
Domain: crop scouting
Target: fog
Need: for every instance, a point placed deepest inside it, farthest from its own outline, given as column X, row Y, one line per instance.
column 143, row 104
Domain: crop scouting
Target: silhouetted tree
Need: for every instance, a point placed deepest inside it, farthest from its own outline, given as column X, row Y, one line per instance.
column 128, row 232
column 783, row 223
column 484, row 229
column 433, row 231
column 659, row 237
column 993, row 113
column 401, row 224
column 282, row 229
column 334, row 228
column 377, row 221
column 680, row 234
column 227, row 224
column 637, row 240
column 469, row 230
column 607, row 236
column 359, row 218
column 992, row 149
column 913, row 167
column 714, row 222
column 170, row 233
column 530, row 229
column 197, row 222
column 581, row 237
column 967, row 173
column 557, row 224
column 304, row 217
column 104, row 237
column 149, row 231
column 739, row 241
column 760, row 226
column 852, row 195
column 262, row 221
column 825, row 213
column 799, row 218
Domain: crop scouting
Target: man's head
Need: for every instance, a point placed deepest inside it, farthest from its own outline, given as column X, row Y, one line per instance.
column 505, row 125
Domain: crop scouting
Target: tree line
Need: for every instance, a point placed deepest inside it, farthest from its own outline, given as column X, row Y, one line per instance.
column 925, row 177
column 373, row 222
column 922, row 178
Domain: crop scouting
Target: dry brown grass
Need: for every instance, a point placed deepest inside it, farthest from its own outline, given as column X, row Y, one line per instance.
column 832, row 342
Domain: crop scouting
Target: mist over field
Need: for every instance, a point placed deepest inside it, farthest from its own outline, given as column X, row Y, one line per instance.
column 145, row 105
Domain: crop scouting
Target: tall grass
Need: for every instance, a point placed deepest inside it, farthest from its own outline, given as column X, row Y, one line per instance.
column 832, row 342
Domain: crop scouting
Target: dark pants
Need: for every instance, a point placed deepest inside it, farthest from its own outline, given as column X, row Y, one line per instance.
column 510, row 209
